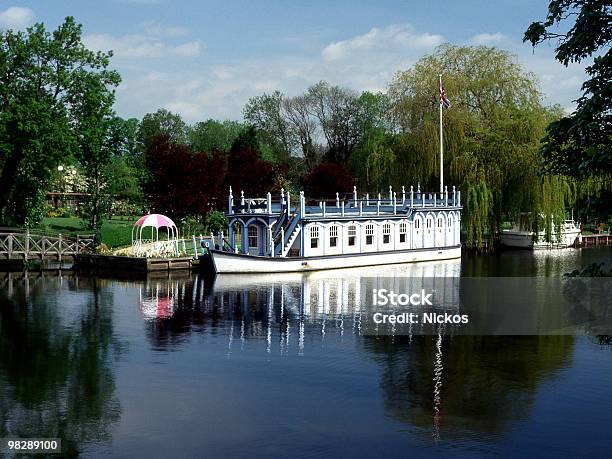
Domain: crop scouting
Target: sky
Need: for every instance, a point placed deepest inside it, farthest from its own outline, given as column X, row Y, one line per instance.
column 204, row 59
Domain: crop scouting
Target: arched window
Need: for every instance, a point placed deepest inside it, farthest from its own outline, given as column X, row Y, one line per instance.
column 314, row 237
column 253, row 236
column 417, row 223
column 386, row 233
column 352, row 235
column 450, row 223
column 402, row 232
column 440, row 223
column 333, row 236
column 369, row 234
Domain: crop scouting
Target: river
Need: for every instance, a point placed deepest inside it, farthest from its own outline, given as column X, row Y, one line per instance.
column 239, row 366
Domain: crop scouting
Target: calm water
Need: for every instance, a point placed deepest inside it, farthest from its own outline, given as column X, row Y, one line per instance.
column 243, row 366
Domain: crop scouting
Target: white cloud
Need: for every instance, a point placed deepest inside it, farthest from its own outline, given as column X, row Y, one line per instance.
column 487, row 39
column 157, row 30
column 16, row 17
column 138, row 46
column 367, row 62
column 394, row 38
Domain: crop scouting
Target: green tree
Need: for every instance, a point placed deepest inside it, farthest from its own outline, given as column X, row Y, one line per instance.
column 94, row 105
column 265, row 112
column 162, row 122
column 209, row 135
column 44, row 76
column 492, row 132
column 579, row 145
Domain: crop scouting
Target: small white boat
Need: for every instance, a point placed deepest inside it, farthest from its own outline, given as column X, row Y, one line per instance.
column 269, row 236
column 520, row 237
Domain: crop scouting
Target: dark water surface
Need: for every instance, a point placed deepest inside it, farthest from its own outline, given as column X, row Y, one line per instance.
column 277, row 366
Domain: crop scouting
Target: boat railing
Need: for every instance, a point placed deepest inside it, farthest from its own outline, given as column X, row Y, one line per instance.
column 391, row 202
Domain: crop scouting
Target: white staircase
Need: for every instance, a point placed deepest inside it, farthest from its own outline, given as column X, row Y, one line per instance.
column 291, row 240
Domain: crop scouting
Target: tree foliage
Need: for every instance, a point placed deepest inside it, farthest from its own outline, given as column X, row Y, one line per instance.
column 579, row 145
column 492, row 131
column 51, row 86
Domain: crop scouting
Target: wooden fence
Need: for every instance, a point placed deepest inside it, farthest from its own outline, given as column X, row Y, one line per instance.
column 25, row 245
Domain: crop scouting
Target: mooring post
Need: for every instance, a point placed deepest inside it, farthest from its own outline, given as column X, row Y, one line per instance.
column 195, row 247
column 59, row 248
column 220, row 236
column 202, row 245
column 27, row 244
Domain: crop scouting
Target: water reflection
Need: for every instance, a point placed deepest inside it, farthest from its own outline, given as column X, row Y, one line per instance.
column 62, row 340
column 56, row 345
column 449, row 387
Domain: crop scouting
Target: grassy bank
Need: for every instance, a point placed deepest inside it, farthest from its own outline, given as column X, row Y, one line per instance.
column 115, row 232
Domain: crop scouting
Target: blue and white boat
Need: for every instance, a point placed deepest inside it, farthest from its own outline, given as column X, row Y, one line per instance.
column 267, row 235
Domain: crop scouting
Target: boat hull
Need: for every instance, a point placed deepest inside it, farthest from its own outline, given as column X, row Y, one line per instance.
column 227, row 262
column 524, row 240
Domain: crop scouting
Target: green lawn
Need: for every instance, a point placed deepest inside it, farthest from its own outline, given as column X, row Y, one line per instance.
column 115, row 232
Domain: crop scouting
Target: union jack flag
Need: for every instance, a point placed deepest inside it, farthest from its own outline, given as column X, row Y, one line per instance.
column 443, row 99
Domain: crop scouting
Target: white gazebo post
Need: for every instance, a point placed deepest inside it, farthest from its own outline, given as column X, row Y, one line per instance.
column 403, row 195
column 390, row 193
column 367, row 199
column 337, row 199
column 343, row 208
column 378, row 205
column 282, row 197
column 288, row 203
column 454, row 196
column 271, row 241
column 355, row 195
column 411, row 196
column 446, row 195
column 230, row 201
column 242, row 201
column 269, row 202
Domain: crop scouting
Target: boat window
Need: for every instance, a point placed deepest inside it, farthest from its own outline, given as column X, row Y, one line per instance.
column 369, row 234
column 314, row 237
column 402, row 232
column 333, row 236
column 352, row 235
column 253, row 236
column 386, row 233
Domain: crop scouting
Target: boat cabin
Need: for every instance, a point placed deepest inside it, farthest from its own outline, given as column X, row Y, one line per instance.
column 352, row 224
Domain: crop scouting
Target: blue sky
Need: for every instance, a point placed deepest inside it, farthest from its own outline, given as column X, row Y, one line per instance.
column 204, row 59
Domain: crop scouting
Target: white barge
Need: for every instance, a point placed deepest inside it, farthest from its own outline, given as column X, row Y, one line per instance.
column 267, row 236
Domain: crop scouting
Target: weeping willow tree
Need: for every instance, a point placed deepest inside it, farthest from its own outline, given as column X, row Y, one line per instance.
column 492, row 135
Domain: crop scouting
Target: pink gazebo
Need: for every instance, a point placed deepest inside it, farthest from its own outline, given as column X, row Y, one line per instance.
column 155, row 221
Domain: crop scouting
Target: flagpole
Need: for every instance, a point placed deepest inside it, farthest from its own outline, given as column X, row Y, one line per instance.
column 441, row 144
